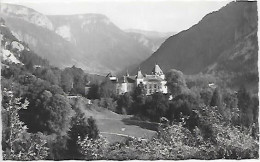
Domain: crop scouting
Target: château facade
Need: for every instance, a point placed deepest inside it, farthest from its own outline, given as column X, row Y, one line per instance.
column 154, row 82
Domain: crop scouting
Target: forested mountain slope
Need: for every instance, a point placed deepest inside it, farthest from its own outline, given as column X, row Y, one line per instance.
column 224, row 41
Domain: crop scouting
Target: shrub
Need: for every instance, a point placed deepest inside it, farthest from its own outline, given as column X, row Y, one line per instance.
column 93, row 149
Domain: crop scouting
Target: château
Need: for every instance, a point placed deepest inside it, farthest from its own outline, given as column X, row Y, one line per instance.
column 154, row 82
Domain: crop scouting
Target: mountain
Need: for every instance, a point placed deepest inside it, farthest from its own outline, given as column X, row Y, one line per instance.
column 101, row 40
column 89, row 41
column 223, row 42
column 151, row 43
column 150, row 39
column 151, row 34
column 14, row 51
column 26, row 14
column 36, row 30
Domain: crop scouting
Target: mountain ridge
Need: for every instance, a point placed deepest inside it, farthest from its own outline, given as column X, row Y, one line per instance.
column 96, row 45
column 194, row 50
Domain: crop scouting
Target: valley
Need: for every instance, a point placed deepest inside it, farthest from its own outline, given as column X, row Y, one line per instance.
column 89, row 41
column 78, row 87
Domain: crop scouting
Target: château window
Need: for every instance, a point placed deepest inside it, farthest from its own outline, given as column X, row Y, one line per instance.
column 155, row 85
column 150, row 91
column 150, row 86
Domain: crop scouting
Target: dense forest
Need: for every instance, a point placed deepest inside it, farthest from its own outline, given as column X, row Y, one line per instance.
column 193, row 121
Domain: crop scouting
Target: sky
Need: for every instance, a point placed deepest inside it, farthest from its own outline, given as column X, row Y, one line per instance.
column 152, row 15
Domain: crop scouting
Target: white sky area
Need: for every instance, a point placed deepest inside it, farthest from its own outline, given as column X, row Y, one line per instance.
column 154, row 15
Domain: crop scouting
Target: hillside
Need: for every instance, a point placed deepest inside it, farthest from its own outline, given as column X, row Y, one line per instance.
column 101, row 40
column 151, row 34
column 89, row 41
column 44, row 42
column 216, row 41
column 152, row 43
column 114, row 127
column 14, row 51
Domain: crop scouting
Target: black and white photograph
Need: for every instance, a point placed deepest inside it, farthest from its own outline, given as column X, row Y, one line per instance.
column 129, row 80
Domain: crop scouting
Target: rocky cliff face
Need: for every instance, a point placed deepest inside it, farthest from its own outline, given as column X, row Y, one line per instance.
column 14, row 51
column 26, row 14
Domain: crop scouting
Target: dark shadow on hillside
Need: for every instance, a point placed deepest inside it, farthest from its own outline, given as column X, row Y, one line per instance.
column 140, row 123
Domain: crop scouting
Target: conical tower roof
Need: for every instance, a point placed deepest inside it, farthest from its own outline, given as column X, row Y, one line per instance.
column 157, row 70
column 139, row 74
column 127, row 74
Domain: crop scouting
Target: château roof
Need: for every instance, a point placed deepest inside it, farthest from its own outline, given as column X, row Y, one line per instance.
column 127, row 79
column 109, row 75
column 153, row 78
column 157, row 70
column 139, row 75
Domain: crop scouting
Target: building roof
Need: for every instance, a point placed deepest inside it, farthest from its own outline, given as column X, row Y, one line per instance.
column 127, row 74
column 127, row 79
column 109, row 75
column 139, row 75
column 157, row 70
column 152, row 78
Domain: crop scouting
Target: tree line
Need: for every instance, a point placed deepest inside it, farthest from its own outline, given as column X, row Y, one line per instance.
column 39, row 122
column 239, row 107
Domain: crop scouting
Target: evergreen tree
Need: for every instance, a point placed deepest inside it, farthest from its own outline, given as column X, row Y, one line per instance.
column 245, row 107
column 244, row 99
column 216, row 99
column 78, row 131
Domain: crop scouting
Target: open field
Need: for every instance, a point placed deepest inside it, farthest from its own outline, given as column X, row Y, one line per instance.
column 115, row 127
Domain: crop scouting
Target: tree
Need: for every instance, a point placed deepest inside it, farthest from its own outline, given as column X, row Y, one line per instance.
column 93, row 92
column 182, row 107
column 49, row 76
column 93, row 145
column 216, row 98
column 66, row 81
column 93, row 129
column 206, row 96
column 49, row 110
column 230, row 99
column 222, row 140
column 107, row 89
column 59, row 114
column 29, row 66
column 175, row 82
column 124, row 103
column 18, row 143
column 139, row 98
column 245, row 107
column 108, row 103
column 244, row 99
column 81, row 128
column 157, row 107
